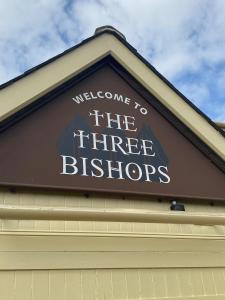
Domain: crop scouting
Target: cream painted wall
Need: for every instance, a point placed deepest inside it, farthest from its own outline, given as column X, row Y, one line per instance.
column 198, row 284
column 99, row 260
column 38, row 198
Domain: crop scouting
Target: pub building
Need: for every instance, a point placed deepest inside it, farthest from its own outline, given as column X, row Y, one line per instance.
column 112, row 182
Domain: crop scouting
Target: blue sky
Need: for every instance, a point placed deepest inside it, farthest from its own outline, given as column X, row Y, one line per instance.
column 183, row 39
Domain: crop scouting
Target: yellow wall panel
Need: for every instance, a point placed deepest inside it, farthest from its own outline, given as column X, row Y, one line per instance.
column 73, row 285
column 104, row 287
column 119, row 284
column 113, row 284
column 23, row 285
column 40, row 285
column 38, row 198
column 109, row 260
column 7, row 285
column 185, row 282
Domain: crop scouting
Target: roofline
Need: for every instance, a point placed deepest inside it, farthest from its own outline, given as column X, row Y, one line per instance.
column 135, row 52
column 220, row 124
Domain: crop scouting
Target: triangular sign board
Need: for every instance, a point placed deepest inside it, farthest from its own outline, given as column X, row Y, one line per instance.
column 101, row 131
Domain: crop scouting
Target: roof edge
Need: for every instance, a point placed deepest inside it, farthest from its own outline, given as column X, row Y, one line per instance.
column 112, row 31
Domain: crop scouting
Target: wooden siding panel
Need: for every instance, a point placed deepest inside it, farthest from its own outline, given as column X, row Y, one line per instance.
column 104, row 287
column 143, row 257
column 43, row 198
column 40, row 285
column 23, row 285
column 112, row 284
column 73, row 285
column 57, row 285
column 7, row 285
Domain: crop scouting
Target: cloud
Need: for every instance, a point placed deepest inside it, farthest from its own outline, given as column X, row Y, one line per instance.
column 184, row 39
column 30, row 33
column 198, row 94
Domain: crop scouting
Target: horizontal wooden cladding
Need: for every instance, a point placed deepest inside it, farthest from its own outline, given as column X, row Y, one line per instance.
column 108, row 260
column 77, row 252
column 41, row 199
column 90, row 243
column 148, row 284
column 110, row 215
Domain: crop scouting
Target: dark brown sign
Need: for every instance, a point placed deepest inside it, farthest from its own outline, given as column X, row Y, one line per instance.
column 102, row 135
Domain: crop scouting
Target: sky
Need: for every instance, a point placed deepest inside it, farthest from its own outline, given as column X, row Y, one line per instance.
column 183, row 39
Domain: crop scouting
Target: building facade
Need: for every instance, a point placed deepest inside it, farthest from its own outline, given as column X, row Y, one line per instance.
column 112, row 183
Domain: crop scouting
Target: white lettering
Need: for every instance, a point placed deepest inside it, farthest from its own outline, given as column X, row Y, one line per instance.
column 78, row 99
column 126, row 122
column 130, row 145
column 69, row 163
column 97, row 116
column 145, row 148
column 117, row 144
column 99, row 94
column 128, row 171
column 164, row 174
column 118, row 169
column 149, row 172
column 92, row 96
column 143, row 111
column 84, row 163
column 96, row 167
column 81, row 136
column 86, row 96
column 118, row 97
column 108, row 95
column 127, row 101
column 116, row 121
column 103, row 142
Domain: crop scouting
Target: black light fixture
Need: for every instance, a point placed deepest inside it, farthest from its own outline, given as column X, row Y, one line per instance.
column 177, row 206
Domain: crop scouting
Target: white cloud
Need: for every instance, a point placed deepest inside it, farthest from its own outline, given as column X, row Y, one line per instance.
column 220, row 77
column 198, row 94
column 30, row 33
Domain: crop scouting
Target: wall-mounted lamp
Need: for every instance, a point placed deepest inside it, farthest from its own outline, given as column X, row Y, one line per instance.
column 177, row 206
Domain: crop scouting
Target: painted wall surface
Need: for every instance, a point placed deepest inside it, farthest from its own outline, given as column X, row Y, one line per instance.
column 198, row 284
column 100, row 260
